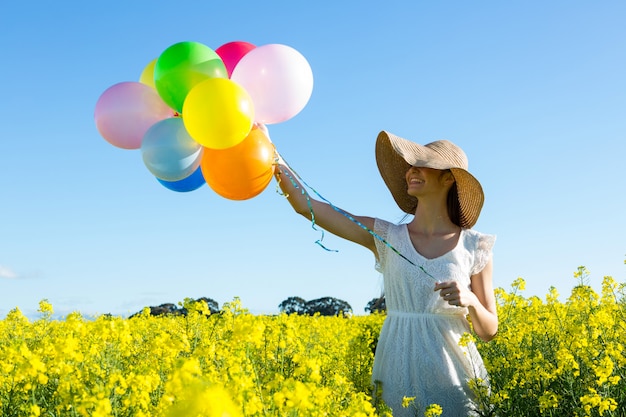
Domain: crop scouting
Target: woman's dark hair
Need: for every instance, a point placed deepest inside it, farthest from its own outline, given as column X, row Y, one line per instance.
column 454, row 208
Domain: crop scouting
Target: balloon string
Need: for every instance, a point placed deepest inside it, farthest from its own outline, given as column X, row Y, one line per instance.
column 350, row 217
column 308, row 202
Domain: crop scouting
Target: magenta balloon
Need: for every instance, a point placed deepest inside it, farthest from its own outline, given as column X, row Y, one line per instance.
column 278, row 79
column 232, row 52
column 125, row 112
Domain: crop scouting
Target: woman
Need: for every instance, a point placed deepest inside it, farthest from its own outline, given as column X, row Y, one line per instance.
column 436, row 272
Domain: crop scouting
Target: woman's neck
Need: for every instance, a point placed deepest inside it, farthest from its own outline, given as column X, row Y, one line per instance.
column 431, row 218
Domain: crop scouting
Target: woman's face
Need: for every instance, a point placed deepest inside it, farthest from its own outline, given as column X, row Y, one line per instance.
column 422, row 181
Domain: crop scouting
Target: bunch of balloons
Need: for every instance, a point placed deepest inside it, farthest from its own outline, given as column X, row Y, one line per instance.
column 199, row 115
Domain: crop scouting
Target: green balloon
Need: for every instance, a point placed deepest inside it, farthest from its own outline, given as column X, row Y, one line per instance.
column 183, row 65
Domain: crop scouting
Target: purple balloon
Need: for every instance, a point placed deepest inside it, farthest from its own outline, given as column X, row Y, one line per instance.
column 125, row 112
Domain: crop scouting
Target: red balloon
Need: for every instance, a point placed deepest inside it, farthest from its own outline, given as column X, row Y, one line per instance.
column 232, row 52
column 242, row 171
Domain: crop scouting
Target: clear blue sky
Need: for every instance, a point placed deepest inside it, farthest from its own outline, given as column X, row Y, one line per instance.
column 534, row 91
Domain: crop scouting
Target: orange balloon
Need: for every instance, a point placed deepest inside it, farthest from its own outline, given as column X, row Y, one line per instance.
column 242, row 171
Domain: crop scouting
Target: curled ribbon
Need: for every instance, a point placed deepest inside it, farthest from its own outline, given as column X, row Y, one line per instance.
column 319, row 241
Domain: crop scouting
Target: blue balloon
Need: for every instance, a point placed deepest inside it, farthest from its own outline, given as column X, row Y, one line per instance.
column 191, row 183
column 169, row 152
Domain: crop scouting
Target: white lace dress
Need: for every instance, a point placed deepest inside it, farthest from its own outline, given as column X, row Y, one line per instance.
column 418, row 353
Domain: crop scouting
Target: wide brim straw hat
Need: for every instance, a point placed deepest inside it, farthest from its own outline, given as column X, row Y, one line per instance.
column 394, row 156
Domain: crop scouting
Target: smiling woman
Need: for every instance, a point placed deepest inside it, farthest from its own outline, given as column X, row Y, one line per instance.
column 443, row 273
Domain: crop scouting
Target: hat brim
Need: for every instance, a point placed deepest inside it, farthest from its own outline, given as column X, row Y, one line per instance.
column 395, row 155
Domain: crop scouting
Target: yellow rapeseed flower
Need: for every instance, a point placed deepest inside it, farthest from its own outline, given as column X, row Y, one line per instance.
column 546, row 356
column 45, row 308
column 433, row 410
column 407, row 401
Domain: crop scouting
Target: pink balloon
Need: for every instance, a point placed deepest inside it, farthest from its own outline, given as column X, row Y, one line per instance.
column 232, row 52
column 278, row 79
column 125, row 112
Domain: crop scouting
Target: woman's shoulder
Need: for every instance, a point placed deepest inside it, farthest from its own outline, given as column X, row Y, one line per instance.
column 381, row 223
column 475, row 234
column 385, row 230
column 478, row 239
column 387, row 226
column 480, row 247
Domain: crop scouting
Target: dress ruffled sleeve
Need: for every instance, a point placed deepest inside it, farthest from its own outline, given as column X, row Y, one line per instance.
column 484, row 251
column 381, row 228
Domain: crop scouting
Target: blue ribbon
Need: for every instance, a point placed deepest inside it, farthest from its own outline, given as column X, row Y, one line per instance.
column 319, row 241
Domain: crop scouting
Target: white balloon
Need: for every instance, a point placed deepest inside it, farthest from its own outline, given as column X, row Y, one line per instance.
column 279, row 80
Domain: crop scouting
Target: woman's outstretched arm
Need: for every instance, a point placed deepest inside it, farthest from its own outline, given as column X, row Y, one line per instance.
column 326, row 216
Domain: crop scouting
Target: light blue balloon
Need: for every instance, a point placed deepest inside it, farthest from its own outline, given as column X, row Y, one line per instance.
column 191, row 183
column 168, row 151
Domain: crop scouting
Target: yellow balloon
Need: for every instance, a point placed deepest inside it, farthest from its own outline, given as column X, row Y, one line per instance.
column 218, row 113
column 147, row 75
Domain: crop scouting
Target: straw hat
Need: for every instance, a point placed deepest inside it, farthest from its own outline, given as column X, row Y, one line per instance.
column 394, row 156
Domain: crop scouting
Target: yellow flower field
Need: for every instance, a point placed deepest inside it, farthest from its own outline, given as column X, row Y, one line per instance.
column 551, row 357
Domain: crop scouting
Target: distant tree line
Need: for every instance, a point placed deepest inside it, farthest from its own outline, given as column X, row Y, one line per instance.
column 325, row 306
column 376, row 305
column 169, row 309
